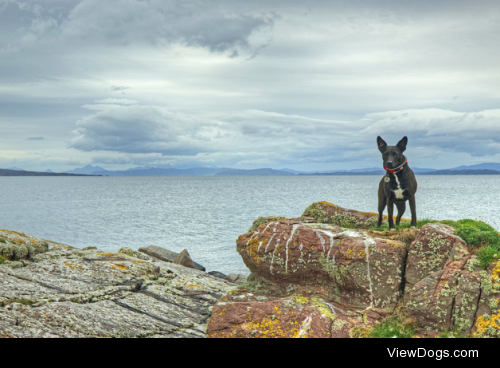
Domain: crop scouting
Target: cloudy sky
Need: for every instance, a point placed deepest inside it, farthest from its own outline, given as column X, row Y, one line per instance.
column 247, row 84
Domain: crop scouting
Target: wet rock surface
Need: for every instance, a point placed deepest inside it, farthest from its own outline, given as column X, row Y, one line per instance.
column 67, row 292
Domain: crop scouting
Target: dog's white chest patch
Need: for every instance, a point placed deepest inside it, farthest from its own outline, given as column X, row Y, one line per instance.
column 398, row 192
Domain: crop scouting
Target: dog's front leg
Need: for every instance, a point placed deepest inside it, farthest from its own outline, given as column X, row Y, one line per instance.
column 390, row 213
column 413, row 212
column 382, row 201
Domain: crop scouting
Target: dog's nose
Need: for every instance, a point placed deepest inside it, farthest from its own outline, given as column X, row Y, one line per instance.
column 389, row 162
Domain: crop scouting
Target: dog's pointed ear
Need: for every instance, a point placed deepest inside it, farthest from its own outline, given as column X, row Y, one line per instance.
column 381, row 144
column 402, row 143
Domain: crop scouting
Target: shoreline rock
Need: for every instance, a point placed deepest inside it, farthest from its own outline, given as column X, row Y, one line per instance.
column 166, row 255
column 325, row 274
column 68, row 292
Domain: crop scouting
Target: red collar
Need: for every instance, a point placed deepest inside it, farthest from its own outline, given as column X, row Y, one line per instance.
column 397, row 169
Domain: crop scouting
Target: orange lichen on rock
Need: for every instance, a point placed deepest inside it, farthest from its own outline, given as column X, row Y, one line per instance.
column 487, row 325
column 495, row 274
column 110, row 254
column 244, row 316
column 119, row 266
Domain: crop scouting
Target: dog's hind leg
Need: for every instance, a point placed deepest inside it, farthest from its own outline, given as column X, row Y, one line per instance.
column 413, row 212
column 382, row 200
column 401, row 209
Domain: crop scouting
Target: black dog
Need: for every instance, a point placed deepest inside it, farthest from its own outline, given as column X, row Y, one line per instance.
column 398, row 185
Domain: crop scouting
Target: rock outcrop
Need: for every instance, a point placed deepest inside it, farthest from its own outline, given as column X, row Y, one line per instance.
column 167, row 255
column 184, row 259
column 55, row 290
column 325, row 274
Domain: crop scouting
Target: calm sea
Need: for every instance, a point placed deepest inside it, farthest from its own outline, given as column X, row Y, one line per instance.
column 206, row 214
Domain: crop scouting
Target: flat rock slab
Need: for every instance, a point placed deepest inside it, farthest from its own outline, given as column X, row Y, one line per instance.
column 69, row 292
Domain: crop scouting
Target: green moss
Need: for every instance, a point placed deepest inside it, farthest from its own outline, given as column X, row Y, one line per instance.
column 475, row 233
column 263, row 220
column 446, row 334
column 475, row 237
column 425, row 221
column 392, row 327
column 486, row 255
column 255, row 286
column 316, row 212
column 2, row 259
column 346, row 221
column 478, row 234
column 350, row 222
column 3, row 303
column 489, row 285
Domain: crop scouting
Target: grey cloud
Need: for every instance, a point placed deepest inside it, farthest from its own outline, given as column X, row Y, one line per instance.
column 119, row 88
column 114, row 160
column 256, row 136
column 36, row 138
column 116, row 101
column 142, row 129
column 475, row 133
column 332, row 72
column 218, row 26
column 22, row 24
column 194, row 23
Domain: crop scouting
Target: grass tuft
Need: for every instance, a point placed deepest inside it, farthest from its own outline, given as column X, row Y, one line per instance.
column 397, row 325
column 393, row 328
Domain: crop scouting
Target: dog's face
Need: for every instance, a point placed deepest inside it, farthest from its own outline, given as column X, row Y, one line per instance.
column 392, row 155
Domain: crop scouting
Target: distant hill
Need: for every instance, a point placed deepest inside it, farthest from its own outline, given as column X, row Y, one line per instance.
column 462, row 172
column 435, row 172
column 15, row 168
column 87, row 170
column 347, row 173
column 295, row 172
column 479, row 169
column 195, row 171
column 484, row 166
column 366, row 171
column 154, row 171
column 7, row 172
column 255, row 172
